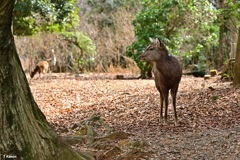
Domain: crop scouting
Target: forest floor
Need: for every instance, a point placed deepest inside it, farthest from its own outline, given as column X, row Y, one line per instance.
column 208, row 111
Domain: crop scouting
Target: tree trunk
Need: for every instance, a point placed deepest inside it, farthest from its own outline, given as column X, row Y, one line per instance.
column 24, row 131
column 236, row 80
column 220, row 49
column 221, row 30
column 234, row 36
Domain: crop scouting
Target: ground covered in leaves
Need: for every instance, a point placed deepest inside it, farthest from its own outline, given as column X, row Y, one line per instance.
column 208, row 111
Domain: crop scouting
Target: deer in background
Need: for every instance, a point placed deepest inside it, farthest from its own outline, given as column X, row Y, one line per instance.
column 42, row 68
column 167, row 73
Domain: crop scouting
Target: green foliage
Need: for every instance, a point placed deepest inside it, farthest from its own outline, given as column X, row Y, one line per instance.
column 33, row 16
column 231, row 9
column 84, row 58
column 153, row 22
column 187, row 27
column 134, row 51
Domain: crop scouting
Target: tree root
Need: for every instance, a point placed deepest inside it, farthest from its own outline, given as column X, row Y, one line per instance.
column 108, row 143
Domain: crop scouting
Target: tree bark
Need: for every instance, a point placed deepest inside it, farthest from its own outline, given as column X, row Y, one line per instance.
column 234, row 36
column 24, row 130
column 221, row 30
column 236, row 80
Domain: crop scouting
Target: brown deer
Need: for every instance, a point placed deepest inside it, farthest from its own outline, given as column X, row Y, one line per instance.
column 167, row 73
column 42, row 67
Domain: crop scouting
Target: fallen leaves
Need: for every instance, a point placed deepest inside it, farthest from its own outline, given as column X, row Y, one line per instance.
column 133, row 106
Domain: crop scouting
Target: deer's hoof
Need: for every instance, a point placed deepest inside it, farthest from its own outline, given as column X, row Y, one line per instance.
column 160, row 120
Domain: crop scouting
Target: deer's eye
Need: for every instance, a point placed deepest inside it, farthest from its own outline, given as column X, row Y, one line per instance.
column 151, row 48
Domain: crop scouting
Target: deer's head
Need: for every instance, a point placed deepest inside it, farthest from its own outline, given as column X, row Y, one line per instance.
column 155, row 51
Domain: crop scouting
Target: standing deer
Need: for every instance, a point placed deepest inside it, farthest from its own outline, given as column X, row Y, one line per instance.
column 41, row 67
column 167, row 73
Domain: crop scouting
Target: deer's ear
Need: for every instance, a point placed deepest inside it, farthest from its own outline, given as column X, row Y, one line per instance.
column 152, row 40
column 161, row 44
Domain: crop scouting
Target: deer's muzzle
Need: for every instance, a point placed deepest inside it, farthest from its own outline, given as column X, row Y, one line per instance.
column 141, row 57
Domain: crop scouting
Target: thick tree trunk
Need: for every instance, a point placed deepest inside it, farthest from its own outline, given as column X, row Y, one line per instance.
column 236, row 80
column 24, row 131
